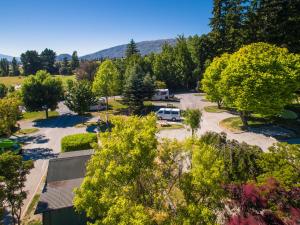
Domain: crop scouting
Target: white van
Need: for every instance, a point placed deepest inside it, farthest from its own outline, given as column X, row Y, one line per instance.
column 168, row 114
column 161, row 94
column 100, row 105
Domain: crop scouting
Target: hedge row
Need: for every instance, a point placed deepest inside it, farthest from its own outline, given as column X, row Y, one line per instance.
column 77, row 142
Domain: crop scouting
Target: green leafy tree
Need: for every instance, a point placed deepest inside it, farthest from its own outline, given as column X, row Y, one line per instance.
column 193, row 119
column 79, row 96
column 164, row 67
column 31, row 62
column 13, row 171
column 260, row 78
column 3, row 90
column 41, row 92
column 4, row 67
column 106, row 82
column 115, row 189
column 202, row 49
column 131, row 49
column 211, row 80
column 48, row 57
column 15, row 67
column 74, row 61
column 281, row 162
column 184, row 65
column 9, row 114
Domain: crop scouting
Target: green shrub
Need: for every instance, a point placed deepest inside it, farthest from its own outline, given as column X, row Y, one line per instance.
column 77, row 142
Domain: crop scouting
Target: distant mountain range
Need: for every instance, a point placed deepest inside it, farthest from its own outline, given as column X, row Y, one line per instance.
column 9, row 58
column 62, row 56
column 145, row 48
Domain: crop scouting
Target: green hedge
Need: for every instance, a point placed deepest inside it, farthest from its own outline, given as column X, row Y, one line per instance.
column 77, row 142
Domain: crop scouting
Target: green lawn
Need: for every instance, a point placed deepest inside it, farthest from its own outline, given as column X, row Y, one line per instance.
column 169, row 126
column 235, row 124
column 27, row 131
column 213, row 109
column 38, row 115
column 12, row 81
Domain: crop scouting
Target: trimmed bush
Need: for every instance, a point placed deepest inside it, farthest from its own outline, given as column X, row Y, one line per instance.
column 77, row 142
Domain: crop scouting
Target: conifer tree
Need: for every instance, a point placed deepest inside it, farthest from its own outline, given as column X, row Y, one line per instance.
column 131, row 49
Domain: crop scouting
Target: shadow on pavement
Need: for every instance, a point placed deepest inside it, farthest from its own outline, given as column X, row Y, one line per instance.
column 38, row 153
column 35, row 139
column 63, row 121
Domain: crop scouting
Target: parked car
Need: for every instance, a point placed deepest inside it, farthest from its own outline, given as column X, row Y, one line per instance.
column 168, row 114
column 161, row 94
column 10, row 145
column 100, row 105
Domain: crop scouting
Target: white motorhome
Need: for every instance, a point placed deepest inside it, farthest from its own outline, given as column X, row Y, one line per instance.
column 100, row 105
column 161, row 94
column 168, row 114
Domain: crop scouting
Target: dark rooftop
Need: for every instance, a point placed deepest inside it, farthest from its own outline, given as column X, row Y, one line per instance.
column 64, row 174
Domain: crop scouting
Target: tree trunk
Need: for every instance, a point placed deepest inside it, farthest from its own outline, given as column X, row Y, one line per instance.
column 244, row 118
column 46, row 111
column 219, row 104
column 106, row 99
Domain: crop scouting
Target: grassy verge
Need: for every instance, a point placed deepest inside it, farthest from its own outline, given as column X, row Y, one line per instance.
column 169, row 126
column 213, row 109
column 27, row 131
column 235, row 124
column 38, row 115
column 30, row 218
column 200, row 94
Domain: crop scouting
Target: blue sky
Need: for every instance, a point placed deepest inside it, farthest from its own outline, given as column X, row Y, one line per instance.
column 91, row 25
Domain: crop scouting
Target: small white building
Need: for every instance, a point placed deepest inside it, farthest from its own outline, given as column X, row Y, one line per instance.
column 161, row 94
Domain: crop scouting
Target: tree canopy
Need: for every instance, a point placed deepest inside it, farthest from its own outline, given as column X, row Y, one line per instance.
column 79, row 96
column 41, row 92
column 260, row 78
column 211, row 79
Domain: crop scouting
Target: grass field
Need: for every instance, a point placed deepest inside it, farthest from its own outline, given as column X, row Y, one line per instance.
column 12, row 81
column 213, row 109
column 235, row 124
column 169, row 126
column 27, row 131
column 38, row 115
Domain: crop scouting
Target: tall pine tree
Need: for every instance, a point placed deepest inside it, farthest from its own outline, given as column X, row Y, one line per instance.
column 74, row 61
column 131, row 49
column 15, row 67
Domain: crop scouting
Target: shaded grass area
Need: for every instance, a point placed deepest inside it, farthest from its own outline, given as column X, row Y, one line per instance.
column 214, row 109
column 169, row 126
column 235, row 124
column 30, row 218
column 200, row 94
column 38, row 115
column 17, row 80
column 27, row 131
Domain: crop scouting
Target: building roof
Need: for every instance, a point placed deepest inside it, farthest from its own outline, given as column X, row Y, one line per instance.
column 64, row 174
column 57, row 195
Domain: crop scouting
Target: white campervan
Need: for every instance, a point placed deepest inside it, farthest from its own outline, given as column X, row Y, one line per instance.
column 161, row 94
column 168, row 114
column 100, row 105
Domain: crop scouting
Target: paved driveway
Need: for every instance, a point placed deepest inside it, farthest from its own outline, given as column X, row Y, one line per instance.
column 210, row 122
column 45, row 144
